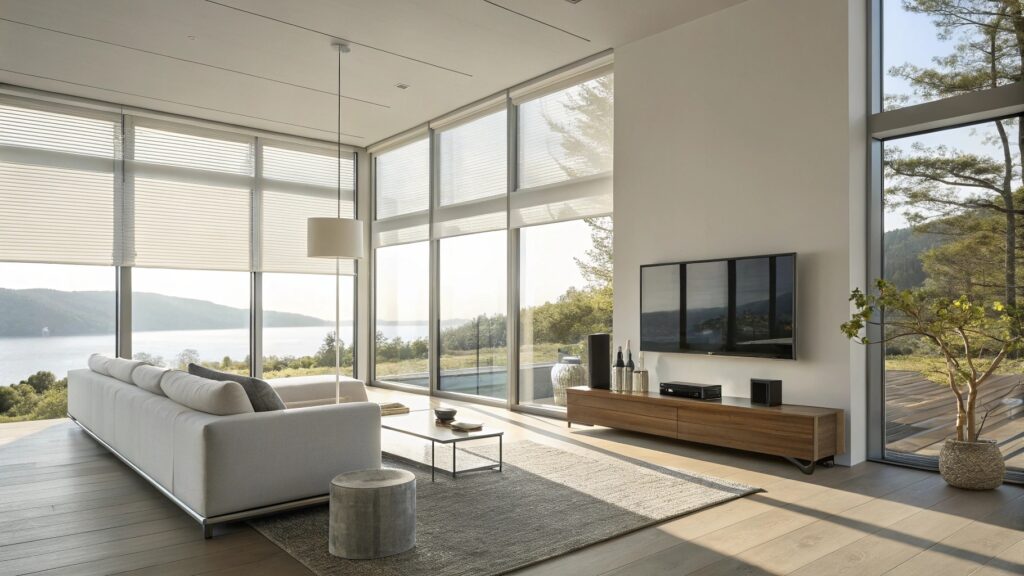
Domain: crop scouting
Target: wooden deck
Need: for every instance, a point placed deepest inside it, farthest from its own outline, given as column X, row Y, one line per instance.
column 920, row 415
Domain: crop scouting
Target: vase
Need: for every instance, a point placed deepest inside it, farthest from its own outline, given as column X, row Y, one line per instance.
column 972, row 465
column 567, row 373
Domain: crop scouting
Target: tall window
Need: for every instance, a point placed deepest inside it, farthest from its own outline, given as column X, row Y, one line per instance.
column 192, row 203
column 564, row 295
column 474, row 357
column 299, row 299
column 402, row 281
column 58, row 202
column 949, row 205
column 562, row 203
column 403, row 314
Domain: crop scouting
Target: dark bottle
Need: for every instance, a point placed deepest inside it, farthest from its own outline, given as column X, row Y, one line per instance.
column 629, row 353
column 619, row 372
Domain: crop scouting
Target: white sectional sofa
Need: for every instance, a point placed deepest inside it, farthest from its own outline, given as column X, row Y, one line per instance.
column 224, row 468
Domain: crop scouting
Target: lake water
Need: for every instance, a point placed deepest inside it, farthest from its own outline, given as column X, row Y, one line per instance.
column 21, row 357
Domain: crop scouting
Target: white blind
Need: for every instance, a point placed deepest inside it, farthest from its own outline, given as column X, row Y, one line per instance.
column 297, row 185
column 192, row 197
column 182, row 146
column 57, row 188
column 565, row 140
column 472, row 160
column 403, row 180
column 472, row 176
column 191, row 225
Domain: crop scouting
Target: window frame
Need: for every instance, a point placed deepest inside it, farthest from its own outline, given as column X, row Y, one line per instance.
column 884, row 125
column 554, row 81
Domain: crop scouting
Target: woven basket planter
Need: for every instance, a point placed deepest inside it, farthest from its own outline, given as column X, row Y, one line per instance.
column 972, row 465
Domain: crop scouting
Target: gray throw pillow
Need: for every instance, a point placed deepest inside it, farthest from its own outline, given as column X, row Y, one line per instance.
column 261, row 395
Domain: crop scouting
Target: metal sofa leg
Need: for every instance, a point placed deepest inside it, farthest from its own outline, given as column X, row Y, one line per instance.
column 207, row 531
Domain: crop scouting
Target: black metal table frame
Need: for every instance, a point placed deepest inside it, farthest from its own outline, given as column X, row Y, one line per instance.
column 500, row 434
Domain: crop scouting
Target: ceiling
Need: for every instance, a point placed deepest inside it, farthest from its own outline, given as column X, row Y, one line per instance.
column 268, row 64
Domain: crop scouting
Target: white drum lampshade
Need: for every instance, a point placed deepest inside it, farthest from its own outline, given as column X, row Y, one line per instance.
column 334, row 238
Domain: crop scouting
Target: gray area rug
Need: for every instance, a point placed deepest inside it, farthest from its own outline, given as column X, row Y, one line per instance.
column 547, row 502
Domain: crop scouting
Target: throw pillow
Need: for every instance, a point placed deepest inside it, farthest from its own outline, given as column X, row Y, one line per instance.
column 261, row 395
column 98, row 363
column 122, row 368
column 148, row 378
column 218, row 398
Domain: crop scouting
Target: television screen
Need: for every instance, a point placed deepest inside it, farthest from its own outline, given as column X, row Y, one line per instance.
column 738, row 306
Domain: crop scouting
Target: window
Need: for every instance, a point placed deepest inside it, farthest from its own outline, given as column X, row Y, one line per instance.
column 183, row 316
column 945, row 213
column 403, row 180
column 567, row 134
column 945, row 229
column 403, row 314
column 564, row 295
column 57, row 247
column 57, row 183
column 472, row 159
column 298, row 324
column 179, row 216
column 935, row 50
column 52, row 317
column 474, row 357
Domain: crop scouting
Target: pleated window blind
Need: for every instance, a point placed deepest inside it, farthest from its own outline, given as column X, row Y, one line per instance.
column 565, row 154
column 300, row 183
column 472, row 176
column 191, row 193
column 58, row 199
column 402, row 183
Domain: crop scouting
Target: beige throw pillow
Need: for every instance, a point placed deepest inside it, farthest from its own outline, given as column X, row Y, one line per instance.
column 210, row 396
column 148, row 378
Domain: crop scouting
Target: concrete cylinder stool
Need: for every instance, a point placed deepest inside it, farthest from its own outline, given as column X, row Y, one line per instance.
column 373, row 513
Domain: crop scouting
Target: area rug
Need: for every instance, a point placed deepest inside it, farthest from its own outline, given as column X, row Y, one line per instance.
column 547, row 502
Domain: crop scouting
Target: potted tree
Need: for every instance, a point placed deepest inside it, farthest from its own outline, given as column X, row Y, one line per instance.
column 972, row 340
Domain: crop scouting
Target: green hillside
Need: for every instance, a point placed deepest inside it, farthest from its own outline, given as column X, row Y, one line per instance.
column 903, row 250
column 27, row 312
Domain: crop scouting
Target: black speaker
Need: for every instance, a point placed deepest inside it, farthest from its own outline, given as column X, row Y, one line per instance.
column 599, row 367
column 767, row 392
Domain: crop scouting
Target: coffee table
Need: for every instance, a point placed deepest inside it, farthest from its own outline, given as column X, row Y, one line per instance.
column 422, row 424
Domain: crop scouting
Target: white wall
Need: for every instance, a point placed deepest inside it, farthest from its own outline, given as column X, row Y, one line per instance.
column 743, row 133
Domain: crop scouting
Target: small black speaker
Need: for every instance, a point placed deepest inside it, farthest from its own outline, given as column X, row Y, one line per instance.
column 766, row 392
column 599, row 366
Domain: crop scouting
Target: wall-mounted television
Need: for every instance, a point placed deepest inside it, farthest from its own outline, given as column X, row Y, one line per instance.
column 730, row 307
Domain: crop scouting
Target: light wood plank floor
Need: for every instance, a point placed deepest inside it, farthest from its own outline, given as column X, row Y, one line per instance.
column 68, row 507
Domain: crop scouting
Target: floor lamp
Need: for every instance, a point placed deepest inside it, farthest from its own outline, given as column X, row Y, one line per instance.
column 336, row 238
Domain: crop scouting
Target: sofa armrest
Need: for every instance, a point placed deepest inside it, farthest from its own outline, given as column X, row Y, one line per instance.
column 234, row 463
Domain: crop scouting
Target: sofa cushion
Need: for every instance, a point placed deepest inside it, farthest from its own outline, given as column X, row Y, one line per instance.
column 261, row 395
column 210, row 396
column 122, row 368
column 99, row 363
column 148, row 378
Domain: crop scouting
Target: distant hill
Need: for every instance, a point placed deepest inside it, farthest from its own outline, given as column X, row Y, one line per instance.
column 903, row 249
column 27, row 312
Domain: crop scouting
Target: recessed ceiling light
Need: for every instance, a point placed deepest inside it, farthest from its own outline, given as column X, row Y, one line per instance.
column 573, row 1
column 401, row 85
column 191, row 37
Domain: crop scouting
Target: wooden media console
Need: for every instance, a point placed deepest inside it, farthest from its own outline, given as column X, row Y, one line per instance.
column 804, row 435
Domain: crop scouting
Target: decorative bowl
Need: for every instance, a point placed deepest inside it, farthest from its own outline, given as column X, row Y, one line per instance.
column 445, row 414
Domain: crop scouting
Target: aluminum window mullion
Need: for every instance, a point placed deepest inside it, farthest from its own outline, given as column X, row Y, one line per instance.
column 434, row 289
